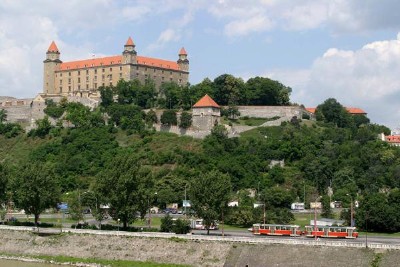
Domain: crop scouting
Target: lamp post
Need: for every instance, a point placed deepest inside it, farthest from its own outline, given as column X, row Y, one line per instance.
column 315, row 217
column 185, row 203
column 351, row 211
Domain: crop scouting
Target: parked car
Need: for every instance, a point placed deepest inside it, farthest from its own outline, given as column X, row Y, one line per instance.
column 170, row 210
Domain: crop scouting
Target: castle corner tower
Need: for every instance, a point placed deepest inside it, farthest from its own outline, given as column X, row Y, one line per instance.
column 183, row 61
column 129, row 53
column 51, row 64
column 206, row 114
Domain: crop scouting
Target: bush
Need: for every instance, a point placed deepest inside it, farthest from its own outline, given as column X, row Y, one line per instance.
column 181, row 226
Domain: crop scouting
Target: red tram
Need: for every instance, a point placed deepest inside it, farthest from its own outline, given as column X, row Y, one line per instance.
column 294, row 230
column 276, row 229
column 331, row 232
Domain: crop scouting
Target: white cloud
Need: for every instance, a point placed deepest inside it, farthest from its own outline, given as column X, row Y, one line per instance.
column 367, row 78
column 247, row 26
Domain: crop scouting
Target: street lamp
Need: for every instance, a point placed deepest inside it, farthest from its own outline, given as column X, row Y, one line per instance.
column 351, row 210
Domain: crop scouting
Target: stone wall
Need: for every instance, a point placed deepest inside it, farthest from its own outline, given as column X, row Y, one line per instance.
column 271, row 111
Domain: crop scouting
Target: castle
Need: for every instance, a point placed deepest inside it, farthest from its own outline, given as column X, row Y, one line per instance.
column 82, row 78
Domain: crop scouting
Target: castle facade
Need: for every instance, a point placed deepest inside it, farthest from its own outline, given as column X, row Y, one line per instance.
column 83, row 77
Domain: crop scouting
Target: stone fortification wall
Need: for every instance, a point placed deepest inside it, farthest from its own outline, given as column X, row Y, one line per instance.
column 18, row 110
column 271, row 111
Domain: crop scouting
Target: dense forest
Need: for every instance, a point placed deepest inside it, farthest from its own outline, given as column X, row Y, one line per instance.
column 112, row 155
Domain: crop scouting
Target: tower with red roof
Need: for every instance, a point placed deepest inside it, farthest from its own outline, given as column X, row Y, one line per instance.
column 51, row 64
column 183, row 61
column 206, row 114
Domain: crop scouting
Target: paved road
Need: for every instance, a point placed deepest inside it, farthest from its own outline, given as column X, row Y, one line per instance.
column 237, row 233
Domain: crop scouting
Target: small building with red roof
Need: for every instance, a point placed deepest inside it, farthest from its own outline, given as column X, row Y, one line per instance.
column 206, row 113
column 351, row 110
column 84, row 77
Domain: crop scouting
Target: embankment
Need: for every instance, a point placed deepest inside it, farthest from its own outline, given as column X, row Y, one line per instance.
column 190, row 252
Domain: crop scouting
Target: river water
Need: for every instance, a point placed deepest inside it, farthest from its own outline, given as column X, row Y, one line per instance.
column 13, row 263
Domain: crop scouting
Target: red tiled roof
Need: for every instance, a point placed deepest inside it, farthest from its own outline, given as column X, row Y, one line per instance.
column 206, row 101
column 115, row 60
column 182, row 51
column 53, row 47
column 353, row 111
column 356, row 111
column 393, row 138
column 129, row 42
column 312, row 110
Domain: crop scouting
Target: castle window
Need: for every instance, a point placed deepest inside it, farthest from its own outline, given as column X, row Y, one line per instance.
column 137, row 74
column 60, row 89
column 170, row 79
column 69, row 80
column 79, row 80
column 69, row 73
column 170, row 72
column 87, row 72
column 180, row 80
column 95, row 86
column 103, row 84
column 112, row 62
column 79, row 72
column 137, row 67
column 85, row 65
column 162, row 72
column 95, row 71
column 95, row 78
column 60, row 82
column 103, row 70
column 162, row 78
column 145, row 69
column 87, row 86
column 69, row 88
column 120, row 68
column 120, row 75
column 87, row 78
column 60, row 74
column 110, row 83
column 102, row 77
column 79, row 87
column 110, row 69
column 154, row 70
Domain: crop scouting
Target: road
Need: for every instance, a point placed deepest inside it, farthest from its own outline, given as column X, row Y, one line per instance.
column 236, row 233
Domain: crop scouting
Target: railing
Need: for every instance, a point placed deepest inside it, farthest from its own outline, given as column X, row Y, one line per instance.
column 248, row 240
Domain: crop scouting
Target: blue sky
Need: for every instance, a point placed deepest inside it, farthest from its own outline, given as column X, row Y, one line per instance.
column 346, row 49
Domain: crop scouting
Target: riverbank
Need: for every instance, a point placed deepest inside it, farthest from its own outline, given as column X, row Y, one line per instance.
column 175, row 250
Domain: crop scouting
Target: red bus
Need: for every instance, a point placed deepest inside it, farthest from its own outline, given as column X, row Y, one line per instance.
column 331, row 231
column 276, row 229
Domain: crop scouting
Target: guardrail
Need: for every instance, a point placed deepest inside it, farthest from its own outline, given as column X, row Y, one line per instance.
column 248, row 240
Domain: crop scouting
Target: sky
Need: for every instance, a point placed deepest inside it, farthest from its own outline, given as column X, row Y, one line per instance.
column 343, row 49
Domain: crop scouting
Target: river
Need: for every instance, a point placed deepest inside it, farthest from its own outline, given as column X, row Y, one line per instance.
column 13, row 263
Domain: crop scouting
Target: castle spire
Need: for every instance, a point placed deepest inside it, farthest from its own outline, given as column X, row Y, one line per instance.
column 130, row 42
column 182, row 51
column 53, row 48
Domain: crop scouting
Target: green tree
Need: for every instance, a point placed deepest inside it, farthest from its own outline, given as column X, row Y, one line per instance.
column 78, row 114
column 3, row 115
column 106, row 95
column 331, row 111
column 35, row 188
column 52, row 109
column 151, row 117
column 3, row 183
column 186, row 120
column 169, row 117
column 326, row 207
column 228, row 89
column 264, row 91
column 43, row 127
column 209, row 195
column 125, row 185
column 167, row 224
